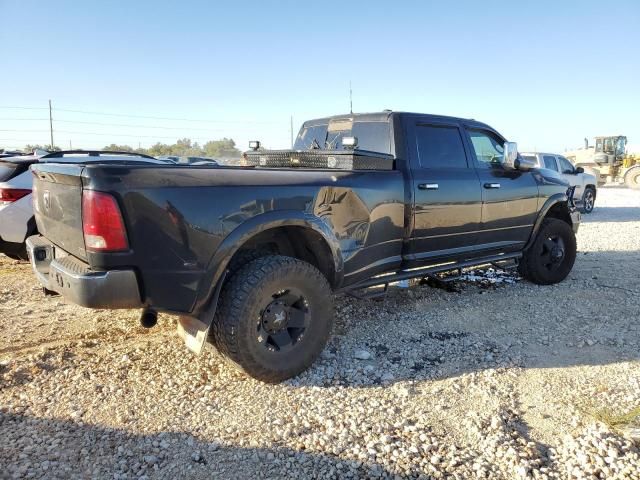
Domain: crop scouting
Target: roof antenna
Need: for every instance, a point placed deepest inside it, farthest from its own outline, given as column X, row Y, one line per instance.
column 350, row 98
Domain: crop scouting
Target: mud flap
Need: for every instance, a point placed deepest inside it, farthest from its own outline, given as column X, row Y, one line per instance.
column 193, row 332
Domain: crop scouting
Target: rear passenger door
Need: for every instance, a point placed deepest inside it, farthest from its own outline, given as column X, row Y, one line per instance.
column 446, row 192
column 509, row 197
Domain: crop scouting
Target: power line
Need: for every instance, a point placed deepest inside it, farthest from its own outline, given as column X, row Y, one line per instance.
column 89, row 112
column 138, row 126
column 114, row 124
column 111, row 134
column 25, row 108
column 21, row 119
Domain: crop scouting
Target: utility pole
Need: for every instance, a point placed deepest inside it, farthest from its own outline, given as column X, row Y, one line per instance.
column 70, row 147
column 291, row 130
column 350, row 98
column 51, row 124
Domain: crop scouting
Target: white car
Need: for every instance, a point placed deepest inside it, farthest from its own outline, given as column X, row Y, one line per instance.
column 16, row 182
column 16, row 210
column 585, row 182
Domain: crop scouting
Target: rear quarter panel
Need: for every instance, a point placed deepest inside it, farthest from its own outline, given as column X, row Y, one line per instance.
column 177, row 218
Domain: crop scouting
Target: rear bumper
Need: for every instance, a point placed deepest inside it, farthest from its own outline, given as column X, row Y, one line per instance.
column 75, row 281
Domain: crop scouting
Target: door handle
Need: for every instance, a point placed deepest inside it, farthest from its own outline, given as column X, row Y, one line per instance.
column 428, row 186
column 491, row 185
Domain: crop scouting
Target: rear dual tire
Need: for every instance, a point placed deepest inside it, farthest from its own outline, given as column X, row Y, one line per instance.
column 274, row 317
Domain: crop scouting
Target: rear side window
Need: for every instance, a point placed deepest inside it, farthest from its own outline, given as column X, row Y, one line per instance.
column 440, row 147
column 550, row 162
column 8, row 171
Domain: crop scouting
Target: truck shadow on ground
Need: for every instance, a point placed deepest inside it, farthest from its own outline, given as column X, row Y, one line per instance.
column 83, row 450
column 429, row 334
column 612, row 214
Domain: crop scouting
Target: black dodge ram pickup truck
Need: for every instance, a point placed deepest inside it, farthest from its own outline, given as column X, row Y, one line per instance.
column 249, row 256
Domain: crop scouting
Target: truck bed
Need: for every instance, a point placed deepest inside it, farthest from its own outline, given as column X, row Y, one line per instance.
column 177, row 217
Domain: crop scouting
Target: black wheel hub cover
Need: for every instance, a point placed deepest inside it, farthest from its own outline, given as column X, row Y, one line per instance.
column 557, row 254
column 275, row 317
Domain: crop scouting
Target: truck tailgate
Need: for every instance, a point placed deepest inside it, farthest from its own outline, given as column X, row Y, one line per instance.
column 57, row 192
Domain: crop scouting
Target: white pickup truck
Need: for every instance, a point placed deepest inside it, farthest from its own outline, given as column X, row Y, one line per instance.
column 585, row 182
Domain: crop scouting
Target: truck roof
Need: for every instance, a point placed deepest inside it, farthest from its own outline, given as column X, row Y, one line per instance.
column 385, row 115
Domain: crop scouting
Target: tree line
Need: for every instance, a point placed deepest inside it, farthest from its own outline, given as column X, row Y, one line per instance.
column 224, row 148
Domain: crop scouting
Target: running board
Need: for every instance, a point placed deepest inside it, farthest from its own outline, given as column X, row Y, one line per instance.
column 385, row 280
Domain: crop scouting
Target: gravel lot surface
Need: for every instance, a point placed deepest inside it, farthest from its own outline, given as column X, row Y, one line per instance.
column 497, row 379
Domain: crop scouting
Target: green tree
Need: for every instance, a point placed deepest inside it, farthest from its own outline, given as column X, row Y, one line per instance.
column 30, row 148
column 118, row 148
column 225, row 148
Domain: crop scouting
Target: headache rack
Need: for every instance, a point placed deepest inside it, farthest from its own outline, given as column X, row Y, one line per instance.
column 320, row 159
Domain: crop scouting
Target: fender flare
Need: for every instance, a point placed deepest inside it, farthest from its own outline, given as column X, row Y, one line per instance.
column 211, row 285
column 550, row 202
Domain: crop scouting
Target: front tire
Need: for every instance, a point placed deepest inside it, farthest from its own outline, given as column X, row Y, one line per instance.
column 588, row 200
column 552, row 255
column 274, row 318
column 632, row 178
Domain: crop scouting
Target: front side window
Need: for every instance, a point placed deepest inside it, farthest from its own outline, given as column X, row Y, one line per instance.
column 487, row 147
column 565, row 165
column 440, row 147
column 550, row 162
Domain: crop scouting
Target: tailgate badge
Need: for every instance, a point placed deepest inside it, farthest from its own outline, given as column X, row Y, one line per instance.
column 46, row 199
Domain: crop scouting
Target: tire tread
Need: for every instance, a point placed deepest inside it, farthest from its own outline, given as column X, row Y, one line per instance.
column 233, row 303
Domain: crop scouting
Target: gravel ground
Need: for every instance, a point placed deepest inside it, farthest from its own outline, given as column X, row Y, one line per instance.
column 494, row 378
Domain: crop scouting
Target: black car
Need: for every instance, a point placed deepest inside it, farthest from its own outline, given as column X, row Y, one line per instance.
column 249, row 256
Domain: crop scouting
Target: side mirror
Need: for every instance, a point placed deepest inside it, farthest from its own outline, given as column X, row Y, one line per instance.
column 579, row 170
column 510, row 155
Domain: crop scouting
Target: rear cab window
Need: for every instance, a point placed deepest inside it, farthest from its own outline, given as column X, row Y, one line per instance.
column 373, row 136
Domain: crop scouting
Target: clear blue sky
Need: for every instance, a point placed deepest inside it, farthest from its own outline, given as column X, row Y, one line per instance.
column 546, row 73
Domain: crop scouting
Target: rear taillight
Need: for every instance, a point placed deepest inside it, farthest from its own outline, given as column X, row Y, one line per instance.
column 9, row 195
column 102, row 223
